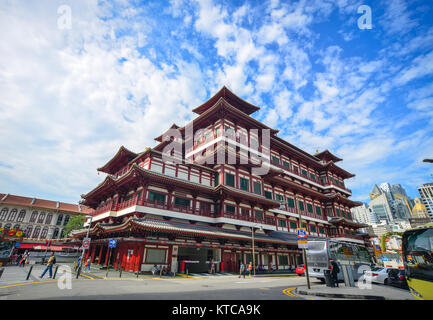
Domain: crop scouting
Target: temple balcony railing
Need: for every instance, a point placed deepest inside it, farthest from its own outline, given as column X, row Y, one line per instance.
column 244, row 217
column 102, row 209
column 304, row 213
column 206, row 212
column 339, row 186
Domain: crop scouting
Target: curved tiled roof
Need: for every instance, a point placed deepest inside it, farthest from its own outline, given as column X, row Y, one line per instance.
column 192, row 229
column 10, row 199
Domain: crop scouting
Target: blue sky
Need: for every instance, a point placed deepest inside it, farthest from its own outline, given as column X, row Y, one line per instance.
column 122, row 71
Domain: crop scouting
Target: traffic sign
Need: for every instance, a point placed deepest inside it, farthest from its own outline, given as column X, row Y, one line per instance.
column 86, row 243
column 302, row 233
column 112, row 243
column 302, row 244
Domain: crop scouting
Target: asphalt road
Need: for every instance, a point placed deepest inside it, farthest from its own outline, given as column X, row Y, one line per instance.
column 206, row 288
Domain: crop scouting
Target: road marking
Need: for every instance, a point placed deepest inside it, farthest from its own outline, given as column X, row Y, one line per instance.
column 185, row 276
column 88, row 277
column 94, row 275
column 289, row 293
column 96, row 279
column 35, row 282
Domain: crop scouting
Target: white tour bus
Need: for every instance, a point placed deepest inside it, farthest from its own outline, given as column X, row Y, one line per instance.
column 320, row 251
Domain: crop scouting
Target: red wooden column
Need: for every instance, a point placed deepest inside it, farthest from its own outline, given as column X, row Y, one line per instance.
column 144, row 195
column 107, row 256
column 93, row 253
column 100, row 255
column 170, row 198
column 139, row 247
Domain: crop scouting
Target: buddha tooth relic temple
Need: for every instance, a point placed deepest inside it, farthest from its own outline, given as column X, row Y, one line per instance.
column 187, row 206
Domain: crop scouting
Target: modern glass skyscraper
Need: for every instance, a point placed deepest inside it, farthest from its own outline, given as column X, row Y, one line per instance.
column 390, row 203
column 426, row 193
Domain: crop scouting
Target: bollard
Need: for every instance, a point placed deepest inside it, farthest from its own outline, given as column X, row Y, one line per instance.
column 106, row 274
column 55, row 272
column 120, row 274
column 1, row 271
column 160, row 273
column 137, row 274
column 30, row 271
column 187, row 272
column 78, row 272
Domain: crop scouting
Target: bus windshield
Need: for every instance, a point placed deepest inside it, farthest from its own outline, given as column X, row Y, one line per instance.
column 418, row 254
column 341, row 251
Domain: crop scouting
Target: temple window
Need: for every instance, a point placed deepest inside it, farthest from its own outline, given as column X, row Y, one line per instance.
column 245, row 184
column 257, row 187
column 230, row 180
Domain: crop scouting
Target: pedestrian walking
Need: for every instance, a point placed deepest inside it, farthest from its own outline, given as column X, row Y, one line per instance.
column 242, row 270
column 50, row 264
column 24, row 258
column 87, row 265
column 78, row 263
column 334, row 272
column 212, row 266
column 18, row 260
column 250, row 269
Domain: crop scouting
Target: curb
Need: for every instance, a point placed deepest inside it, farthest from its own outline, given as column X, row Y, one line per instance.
column 276, row 275
column 340, row 295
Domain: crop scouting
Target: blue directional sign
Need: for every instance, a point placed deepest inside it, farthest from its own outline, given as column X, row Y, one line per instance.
column 112, row 243
column 302, row 233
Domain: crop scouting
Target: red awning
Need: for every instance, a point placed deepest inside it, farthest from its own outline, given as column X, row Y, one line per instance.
column 36, row 246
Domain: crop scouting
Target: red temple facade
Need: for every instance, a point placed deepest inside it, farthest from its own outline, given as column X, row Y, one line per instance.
column 194, row 209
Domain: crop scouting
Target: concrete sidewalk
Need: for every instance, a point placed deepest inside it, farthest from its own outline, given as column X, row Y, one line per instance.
column 15, row 274
column 377, row 292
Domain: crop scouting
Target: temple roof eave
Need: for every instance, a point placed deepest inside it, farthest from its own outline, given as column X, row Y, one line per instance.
column 245, row 106
column 343, row 221
column 326, row 154
column 176, row 227
column 344, row 174
column 107, row 167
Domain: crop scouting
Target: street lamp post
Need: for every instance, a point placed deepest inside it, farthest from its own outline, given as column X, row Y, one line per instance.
column 428, row 160
column 304, row 253
column 254, row 255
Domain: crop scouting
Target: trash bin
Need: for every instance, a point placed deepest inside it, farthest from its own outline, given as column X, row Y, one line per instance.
column 328, row 278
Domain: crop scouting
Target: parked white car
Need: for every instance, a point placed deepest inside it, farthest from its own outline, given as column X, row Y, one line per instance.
column 377, row 275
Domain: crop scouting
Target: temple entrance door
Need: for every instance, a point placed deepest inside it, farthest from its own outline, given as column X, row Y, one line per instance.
column 229, row 259
column 130, row 261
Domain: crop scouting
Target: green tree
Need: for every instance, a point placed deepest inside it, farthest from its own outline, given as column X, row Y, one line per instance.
column 75, row 223
column 387, row 235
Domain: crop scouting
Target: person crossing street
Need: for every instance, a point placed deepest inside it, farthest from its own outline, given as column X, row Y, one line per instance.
column 242, row 270
column 49, row 267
